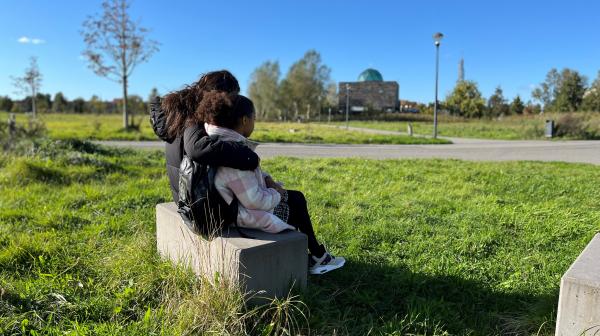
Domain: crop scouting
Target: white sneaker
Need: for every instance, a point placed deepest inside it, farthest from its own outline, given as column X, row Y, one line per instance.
column 325, row 264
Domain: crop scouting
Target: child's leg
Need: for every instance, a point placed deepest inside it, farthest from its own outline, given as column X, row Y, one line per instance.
column 300, row 219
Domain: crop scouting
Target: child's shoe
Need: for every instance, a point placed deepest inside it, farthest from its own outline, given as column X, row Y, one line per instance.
column 324, row 264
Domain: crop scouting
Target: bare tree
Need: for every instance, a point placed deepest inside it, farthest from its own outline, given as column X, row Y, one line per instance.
column 115, row 45
column 30, row 83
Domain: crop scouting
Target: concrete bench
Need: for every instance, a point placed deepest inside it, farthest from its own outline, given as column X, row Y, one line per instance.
column 271, row 262
column 579, row 301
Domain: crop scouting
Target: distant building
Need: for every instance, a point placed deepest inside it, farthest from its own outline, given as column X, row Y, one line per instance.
column 369, row 93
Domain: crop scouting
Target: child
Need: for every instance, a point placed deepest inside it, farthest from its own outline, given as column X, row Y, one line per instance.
column 263, row 204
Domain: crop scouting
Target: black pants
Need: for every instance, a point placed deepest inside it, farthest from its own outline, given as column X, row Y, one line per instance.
column 300, row 219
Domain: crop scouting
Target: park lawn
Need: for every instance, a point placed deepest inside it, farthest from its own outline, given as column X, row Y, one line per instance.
column 109, row 127
column 432, row 246
column 509, row 128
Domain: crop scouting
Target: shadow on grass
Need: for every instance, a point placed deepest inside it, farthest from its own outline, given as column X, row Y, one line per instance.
column 366, row 297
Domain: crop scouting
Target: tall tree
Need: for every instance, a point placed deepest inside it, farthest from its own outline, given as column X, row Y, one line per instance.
column 591, row 98
column 78, row 105
column 304, row 85
column 6, row 103
column 138, row 107
column 561, row 91
column 30, row 83
column 95, row 105
column 331, row 99
column 466, row 100
column 43, row 102
column 264, row 89
column 60, row 103
column 115, row 45
column 497, row 105
column 517, row 106
column 570, row 93
column 545, row 93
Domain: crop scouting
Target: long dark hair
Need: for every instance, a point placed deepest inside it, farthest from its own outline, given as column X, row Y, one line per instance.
column 224, row 109
column 180, row 107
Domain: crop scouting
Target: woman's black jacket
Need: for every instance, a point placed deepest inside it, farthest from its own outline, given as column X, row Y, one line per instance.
column 199, row 147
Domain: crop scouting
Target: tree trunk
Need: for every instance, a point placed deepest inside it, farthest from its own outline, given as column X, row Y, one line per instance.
column 33, row 98
column 125, row 116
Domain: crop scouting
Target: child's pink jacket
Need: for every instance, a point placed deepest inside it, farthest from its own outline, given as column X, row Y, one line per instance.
column 256, row 201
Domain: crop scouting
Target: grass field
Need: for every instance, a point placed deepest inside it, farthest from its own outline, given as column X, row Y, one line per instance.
column 510, row 128
column 109, row 127
column 433, row 246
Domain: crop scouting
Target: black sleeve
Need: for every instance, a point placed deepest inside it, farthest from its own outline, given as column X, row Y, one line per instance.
column 158, row 120
column 206, row 150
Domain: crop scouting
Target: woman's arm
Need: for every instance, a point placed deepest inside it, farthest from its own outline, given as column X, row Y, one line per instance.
column 211, row 151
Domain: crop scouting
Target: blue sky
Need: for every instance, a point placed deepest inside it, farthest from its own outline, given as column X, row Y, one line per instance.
column 508, row 43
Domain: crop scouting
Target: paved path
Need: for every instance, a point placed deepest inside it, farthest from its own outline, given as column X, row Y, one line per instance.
column 472, row 149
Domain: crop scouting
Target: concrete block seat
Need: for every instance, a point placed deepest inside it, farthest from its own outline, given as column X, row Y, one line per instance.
column 269, row 262
column 579, row 301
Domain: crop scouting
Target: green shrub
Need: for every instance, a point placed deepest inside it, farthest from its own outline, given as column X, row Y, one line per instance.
column 578, row 126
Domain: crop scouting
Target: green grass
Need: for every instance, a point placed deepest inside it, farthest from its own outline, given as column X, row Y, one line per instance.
column 109, row 127
column 512, row 128
column 432, row 246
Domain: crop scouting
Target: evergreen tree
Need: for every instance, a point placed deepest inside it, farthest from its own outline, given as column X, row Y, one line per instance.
column 497, row 105
column 517, row 106
column 466, row 100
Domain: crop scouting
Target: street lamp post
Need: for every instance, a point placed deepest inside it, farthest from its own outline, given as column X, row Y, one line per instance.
column 437, row 38
column 347, row 103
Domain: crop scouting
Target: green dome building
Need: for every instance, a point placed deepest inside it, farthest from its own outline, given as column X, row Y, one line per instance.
column 370, row 75
column 369, row 93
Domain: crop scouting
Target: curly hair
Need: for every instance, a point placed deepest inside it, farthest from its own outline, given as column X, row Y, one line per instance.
column 224, row 109
column 180, row 106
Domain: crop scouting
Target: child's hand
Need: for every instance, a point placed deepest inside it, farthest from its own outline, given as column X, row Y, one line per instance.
column 269, row 182
column 272, row 184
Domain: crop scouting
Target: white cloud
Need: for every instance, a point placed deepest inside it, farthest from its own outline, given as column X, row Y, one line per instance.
column 26, row 40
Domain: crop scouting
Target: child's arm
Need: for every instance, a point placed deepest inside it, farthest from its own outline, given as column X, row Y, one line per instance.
column 250, row 194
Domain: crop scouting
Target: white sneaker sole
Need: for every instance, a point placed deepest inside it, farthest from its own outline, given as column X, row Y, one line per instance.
column 327, row 268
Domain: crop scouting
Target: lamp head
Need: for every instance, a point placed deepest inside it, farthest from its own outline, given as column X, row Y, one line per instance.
column 437, row 37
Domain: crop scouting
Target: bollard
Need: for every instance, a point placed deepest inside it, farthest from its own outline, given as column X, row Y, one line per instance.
column 549, row 130
column 12, row 128
column 409, row 129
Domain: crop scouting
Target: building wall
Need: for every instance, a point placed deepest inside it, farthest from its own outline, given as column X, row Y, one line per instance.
column 375, row 96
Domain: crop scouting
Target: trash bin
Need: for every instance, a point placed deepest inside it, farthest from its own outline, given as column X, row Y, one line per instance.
column 549, row 129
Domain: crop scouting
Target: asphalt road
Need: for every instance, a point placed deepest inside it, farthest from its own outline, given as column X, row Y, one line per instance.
column 464, row 149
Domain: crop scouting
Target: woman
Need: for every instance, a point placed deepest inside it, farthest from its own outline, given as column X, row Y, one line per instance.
column 263, row 204
column 174, row 114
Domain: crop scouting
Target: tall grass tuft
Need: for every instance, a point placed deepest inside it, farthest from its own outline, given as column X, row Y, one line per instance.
column 215, row 301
